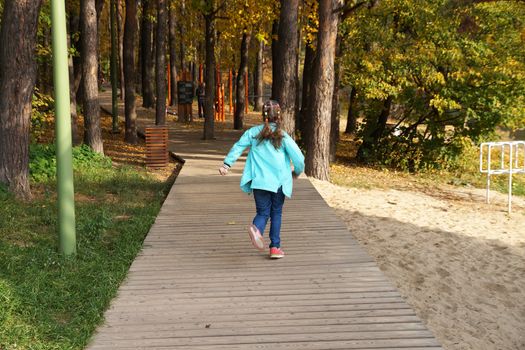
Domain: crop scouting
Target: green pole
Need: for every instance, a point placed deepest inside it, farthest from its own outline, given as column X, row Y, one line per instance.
column 114, row 87
column 66, row 193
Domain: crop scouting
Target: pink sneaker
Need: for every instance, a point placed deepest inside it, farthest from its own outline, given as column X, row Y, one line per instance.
column 276, row 253
column 256, row 237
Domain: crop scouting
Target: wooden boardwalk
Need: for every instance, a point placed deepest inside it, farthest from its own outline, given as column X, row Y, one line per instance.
column 198, row 283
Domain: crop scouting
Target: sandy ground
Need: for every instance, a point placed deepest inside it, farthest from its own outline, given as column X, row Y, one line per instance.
column 459, row 262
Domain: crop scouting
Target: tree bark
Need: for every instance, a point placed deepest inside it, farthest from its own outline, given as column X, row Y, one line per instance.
column 375, row 133
column 308, row 67
column 298, row 91
column 209, row 122
column 99, row 6
column 241, row 102
column 74, row 21
column 146, row 54
column 173, row 55
column 259, row 78
column 286, row 65
column 160, row 63
column 275, row 56
column 120, row 37
column 317, row 156
column 17, row 79
column 334, row 131
column 351, row 121
column 130, row 31
column 93, row 131
column 182, row 48
column 195, row 73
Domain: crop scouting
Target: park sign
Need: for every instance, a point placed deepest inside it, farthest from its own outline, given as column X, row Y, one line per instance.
column 185, row 92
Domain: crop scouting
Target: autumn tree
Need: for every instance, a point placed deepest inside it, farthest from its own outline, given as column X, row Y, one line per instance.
column 254, row 18
column 172, row 42
column 286, row 63
column 160, row 62
column 426, row 92
column 75, row 66
column 317, row 156
column 130, row 32
column 89, row 28
column 310, row 19
column 241, row 101
column 258, row 77
column 147, row 54
column 209, row 12
column 17, row 79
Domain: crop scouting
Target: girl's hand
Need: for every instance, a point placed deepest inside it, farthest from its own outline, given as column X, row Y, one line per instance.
column 223, row 170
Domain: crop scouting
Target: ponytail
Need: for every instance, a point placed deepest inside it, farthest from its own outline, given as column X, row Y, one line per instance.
column 271, row 114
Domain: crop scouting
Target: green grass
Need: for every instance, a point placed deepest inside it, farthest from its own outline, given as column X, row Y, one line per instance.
column 47, row 302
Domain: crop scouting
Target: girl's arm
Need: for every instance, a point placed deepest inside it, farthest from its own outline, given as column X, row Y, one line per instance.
column 295, row 154
column 238, row 148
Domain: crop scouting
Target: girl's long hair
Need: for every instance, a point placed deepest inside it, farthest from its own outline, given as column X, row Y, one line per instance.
column 271, row 114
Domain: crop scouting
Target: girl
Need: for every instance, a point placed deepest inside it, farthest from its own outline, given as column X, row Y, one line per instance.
column 267, row 173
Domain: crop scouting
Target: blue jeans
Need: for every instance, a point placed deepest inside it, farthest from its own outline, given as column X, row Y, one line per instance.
column 269, row 205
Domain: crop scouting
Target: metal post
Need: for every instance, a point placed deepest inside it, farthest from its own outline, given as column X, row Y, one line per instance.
column 114, row 67
column 66, row 193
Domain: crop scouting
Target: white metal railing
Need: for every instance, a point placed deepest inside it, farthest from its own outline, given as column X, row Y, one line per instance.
column 512, row 161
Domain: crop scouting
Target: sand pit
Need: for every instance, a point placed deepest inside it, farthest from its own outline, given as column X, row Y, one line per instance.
column 459, row 262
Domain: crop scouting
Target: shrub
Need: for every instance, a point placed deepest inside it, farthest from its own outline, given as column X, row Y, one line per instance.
column 42, row 165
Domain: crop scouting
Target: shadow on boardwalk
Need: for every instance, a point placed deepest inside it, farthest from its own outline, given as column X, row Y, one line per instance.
column 198, row 283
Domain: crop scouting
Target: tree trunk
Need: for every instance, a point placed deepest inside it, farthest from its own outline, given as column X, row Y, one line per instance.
column 74, row 22
column 130, row 31
column 195, row 73
column 173, row 55
column 305, row 121
column 93, row 131
column 209, row 121
column 334, row 131
column 351, row 121
column 146, row 54
column 160, row 63
column 286, row 64
column 298, row 91
column 258, row 82
column 182, row 48
column 375, row 133
column 99, row 5
column 138, row 56
column 241, row 102
column 114, row 67
column 120, row 37
column 317, row 156
column 275, row 56
column 17, row 79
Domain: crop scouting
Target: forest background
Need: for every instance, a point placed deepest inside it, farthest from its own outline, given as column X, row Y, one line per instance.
column 368, row 88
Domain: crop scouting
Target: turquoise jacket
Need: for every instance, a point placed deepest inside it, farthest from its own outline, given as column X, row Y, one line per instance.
column 267, row 168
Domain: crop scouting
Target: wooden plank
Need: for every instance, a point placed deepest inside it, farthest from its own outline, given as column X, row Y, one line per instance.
column 417, row 337
column 389, row 322
column 408, row 344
